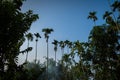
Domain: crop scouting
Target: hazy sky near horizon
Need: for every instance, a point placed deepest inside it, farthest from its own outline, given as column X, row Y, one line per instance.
column 68, row 18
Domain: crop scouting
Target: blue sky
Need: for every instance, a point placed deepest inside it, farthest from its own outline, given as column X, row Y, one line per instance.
column 68, row 18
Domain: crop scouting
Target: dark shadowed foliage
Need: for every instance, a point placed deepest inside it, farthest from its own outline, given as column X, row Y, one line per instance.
column 13, row 26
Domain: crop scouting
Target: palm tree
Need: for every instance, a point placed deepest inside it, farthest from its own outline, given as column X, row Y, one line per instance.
column 70, row 44
column 47, row 31
column 66, row 60
column 37, row 35
column 55, row 48
column 115, row 7
column 67, row 45
column 92, row 16
column 79, row 48
column 62, row 45
column 107, row 17
column 29, row 37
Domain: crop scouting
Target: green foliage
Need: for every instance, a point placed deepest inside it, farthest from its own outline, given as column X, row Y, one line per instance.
column 104, row 42
column 55, row 45
column 47, row 31
column 37, row 35
column 99, row 58
column 29, row 37
column 34, row 70
column 13, row 26
column 92, row 16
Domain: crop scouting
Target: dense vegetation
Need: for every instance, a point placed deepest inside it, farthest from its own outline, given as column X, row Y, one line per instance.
column 98, row 58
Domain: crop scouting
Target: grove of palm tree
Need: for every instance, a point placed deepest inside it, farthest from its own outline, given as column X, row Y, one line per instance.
column 96, row 59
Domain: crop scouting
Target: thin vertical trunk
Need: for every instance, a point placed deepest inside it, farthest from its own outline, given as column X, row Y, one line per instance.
column 55, row 58
column 62, row 50
column 94, row 23
column 82, row 66
column 55, row 65
column 68, row 50
column 36, row 53
column 27, row 52
column 47, row 59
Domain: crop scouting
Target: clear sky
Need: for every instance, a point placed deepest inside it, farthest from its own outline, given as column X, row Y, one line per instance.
column 68, row 18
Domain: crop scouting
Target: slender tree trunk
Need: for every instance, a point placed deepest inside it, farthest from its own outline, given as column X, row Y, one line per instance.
column 55, row 66
column 82, row 66
column 36, row 53
column 47, row 59
column 27, row 52
column 94, row 23
column 55, row 58
column 68, row 50
column 62, row 50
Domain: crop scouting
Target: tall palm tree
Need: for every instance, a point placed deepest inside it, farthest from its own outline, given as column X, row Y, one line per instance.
column 67, row 62
column 115, row 7
column 70, row 44
column 62, row 45
column 67, row 45
column 29, row 37
column 108, row 18
column 79, row 48
column 37, row 35
column 92, row 16
column 55, row 43
column 47, row 31
column 55, row 48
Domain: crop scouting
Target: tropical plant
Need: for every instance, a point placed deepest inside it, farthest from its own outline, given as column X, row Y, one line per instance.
column 92, row 16
column 62, row 46
column 13, row 26
column 37, row 35
column 66, row 42
column 34, row 70
column 29, row 37
column 55, row 43
column 47, row 31
column 104, row 42
column 107, row 16
column 114, row 18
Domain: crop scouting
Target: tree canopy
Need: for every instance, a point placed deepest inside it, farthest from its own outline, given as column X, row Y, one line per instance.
column 13, row 26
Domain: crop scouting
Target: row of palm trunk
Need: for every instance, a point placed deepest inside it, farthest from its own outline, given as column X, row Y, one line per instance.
column 47, row 31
